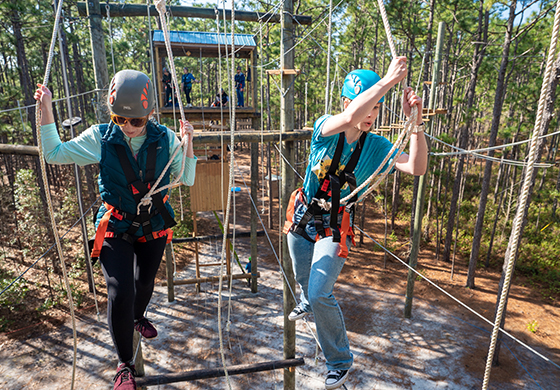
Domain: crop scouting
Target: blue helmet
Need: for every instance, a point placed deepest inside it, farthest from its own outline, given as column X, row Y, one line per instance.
column 358, row 81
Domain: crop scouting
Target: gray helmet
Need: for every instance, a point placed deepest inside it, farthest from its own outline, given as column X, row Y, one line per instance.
column 131, row 94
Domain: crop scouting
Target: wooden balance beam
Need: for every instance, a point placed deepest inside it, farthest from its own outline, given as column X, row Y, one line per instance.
column 208, row 373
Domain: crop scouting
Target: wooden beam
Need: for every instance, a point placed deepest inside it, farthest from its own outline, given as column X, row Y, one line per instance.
column 217, row 372
column 211, row 279
column 119, row 10
column 19, row 149
column 283, row 71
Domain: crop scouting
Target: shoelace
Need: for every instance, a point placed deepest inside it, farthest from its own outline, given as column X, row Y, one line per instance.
column 125, row 372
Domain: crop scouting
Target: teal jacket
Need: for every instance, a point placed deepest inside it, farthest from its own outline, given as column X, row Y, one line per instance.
column 113, row 185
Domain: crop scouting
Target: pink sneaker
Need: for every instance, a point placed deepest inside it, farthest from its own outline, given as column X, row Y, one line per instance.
column 124, row 379
column 145, row 328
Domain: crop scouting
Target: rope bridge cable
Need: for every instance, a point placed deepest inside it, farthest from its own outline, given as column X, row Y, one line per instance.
column 518, row 221
column 457, row 300
column 499, row 160
column 38, row 118
column 54, row 100
column 48, row 250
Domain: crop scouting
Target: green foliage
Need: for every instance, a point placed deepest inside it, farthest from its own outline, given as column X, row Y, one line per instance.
column 13, row 297
column 29, row 211
column 533, row 326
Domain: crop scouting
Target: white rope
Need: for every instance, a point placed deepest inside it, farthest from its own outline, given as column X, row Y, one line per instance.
column 399, row 145
column 518, row 220
column 152, row 64
column 387, row 28
column 228, row 207
column 38, row 116
column 147, row 199
column 329, row 34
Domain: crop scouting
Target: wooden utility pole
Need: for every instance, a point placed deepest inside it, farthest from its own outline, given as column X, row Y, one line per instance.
column 419, row 211
column 287, row 149
column 99, row 56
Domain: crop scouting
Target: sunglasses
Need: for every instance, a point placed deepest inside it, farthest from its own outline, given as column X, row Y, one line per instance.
column 135, row 122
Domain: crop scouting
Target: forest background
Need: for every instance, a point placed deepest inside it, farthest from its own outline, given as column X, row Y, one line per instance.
column 493, row 60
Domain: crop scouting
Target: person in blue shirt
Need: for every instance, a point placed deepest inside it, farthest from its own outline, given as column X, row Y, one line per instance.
column 132, row 151
column 186, row 80
column 319, row 248
column 239, row 87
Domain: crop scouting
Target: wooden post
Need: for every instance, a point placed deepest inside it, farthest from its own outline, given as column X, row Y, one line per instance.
column 197, row 264
column 254, row 195
column 139, row 358
column 287, row 149
column 97, row 40
column 419, row 211
column 169, row 268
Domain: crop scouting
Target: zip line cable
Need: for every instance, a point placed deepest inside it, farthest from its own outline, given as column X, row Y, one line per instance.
column 457, row 300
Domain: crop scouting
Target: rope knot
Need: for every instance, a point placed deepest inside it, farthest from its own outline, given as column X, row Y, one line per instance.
column 322, row 203
column 145, row 201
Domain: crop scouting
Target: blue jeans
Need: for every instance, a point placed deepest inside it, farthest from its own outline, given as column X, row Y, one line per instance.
column 240, row 101
column 316, row 268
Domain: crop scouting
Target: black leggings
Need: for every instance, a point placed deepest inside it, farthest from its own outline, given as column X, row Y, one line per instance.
column 130, row 270
column 188, row 93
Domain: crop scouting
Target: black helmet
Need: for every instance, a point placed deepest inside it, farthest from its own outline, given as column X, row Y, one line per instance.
column 131, row 94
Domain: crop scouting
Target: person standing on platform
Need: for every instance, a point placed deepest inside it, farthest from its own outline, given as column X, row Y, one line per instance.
column 240, row 87
column 186, row 80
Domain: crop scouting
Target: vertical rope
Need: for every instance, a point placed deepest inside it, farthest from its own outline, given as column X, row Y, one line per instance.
column 518, row 220
column 387, row 28
column 38, row 116
column 153, row 66
column 228, row 207
column 329, row 33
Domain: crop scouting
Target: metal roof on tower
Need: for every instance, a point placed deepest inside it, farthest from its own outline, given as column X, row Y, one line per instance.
column 205, row 38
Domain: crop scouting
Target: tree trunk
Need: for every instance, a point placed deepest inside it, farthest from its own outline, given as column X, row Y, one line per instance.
column 464, row 133
column 497, row 113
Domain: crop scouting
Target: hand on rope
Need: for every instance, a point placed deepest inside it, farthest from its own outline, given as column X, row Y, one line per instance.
column 409, row 100
column 44, row 101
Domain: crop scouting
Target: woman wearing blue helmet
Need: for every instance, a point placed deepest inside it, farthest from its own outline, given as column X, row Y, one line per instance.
column 343, row 155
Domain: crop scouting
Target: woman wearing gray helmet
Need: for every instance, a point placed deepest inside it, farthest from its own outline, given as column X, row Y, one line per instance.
column 132, row 152
column 343, row 155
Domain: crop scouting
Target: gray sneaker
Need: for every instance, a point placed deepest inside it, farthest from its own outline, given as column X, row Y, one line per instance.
column 297, row 314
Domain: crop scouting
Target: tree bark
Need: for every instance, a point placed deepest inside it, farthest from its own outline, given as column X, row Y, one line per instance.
column 464, row 134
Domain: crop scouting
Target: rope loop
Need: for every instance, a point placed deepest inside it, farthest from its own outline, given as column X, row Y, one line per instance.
column 145, row 201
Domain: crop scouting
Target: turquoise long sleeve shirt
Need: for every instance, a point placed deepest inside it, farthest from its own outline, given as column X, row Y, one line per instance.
column 85, row 149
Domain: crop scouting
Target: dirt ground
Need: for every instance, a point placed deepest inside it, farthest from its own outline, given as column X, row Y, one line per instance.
column 443, row 345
